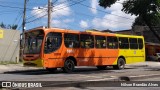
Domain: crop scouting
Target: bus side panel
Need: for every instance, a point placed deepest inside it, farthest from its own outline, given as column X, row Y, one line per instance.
column 84, row 56
column 141, row 54
column 133, row 55
column 54, row 59
column 127, row 54
column 104, row 57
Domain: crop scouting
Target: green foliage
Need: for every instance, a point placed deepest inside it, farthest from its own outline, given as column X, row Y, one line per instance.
column 106, row 3
column 2, row 25
column 141, row 7
column 145, row 9
column 148, row 11
column 139, row 21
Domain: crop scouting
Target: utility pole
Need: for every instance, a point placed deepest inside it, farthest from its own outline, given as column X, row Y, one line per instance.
column 49, row 13
column 23, row 27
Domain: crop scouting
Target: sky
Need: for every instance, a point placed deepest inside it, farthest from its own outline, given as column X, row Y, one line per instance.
column 67, row 14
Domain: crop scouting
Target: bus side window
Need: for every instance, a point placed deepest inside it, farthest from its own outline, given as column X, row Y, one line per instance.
column 71, row 44
column 53, row 42
column 87, row 40
column 71, row 40
column 100, row 41
column 140, row 43
column 48, row 42
column 123, row 43
column 133, row 43
column 112, row 42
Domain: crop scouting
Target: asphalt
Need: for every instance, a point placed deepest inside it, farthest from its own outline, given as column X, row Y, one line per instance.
column 20, row 67
column 153, row 66
column 142, row 75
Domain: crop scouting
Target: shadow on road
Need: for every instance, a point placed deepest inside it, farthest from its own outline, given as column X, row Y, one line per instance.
column 59, row 71
column 152, row 69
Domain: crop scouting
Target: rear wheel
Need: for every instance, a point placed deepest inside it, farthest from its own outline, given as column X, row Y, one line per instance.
column 101, row 67
column 51, row 69
column 120, row 64
column 68, row 66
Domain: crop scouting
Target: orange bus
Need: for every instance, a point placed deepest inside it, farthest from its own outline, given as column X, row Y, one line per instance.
column 54, row 48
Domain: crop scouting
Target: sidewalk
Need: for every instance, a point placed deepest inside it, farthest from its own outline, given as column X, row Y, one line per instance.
column 20, row 67
column 15, row 67
column 148, row 64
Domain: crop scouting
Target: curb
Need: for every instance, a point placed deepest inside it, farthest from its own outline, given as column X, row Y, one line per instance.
column 20, row 71
column 133, row 78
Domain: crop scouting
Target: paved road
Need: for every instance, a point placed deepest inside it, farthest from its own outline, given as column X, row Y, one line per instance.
column 83, row 73
column 148, row 80
column 79, row 74
column 140, row 70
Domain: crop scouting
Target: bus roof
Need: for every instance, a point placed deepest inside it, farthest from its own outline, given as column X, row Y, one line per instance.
column 81, row 32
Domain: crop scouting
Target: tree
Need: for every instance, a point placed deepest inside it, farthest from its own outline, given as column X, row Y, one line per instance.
column 2, row 25
column 138, row 21
column 148, row 11
column 14, row 27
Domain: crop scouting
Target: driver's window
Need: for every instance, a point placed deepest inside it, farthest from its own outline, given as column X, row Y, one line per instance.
column 53, row 42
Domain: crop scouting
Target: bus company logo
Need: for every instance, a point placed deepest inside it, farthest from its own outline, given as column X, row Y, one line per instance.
column 6, row 84
column 70, row 51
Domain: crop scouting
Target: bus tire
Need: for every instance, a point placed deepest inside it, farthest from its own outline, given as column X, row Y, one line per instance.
column 51, row 69
column 101, row 67
column 68, row 66
column 120, row 64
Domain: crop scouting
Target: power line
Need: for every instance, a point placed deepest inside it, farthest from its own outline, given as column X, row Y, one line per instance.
column 16, row 7
column 96, row 17
column 8, row 11
column 54, row 2
column 56, row 10
column 8, row 2
column 88, row 16
column 103, row 11
column 84, row 14
column 46, row 7
column 19, row 16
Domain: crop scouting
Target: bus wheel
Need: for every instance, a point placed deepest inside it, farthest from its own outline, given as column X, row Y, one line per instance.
column 68, row 66
column 120, row 64
column 51, row 69
column 101, row 67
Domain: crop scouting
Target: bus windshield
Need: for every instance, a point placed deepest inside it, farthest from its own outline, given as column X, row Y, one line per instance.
column 33, row 42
